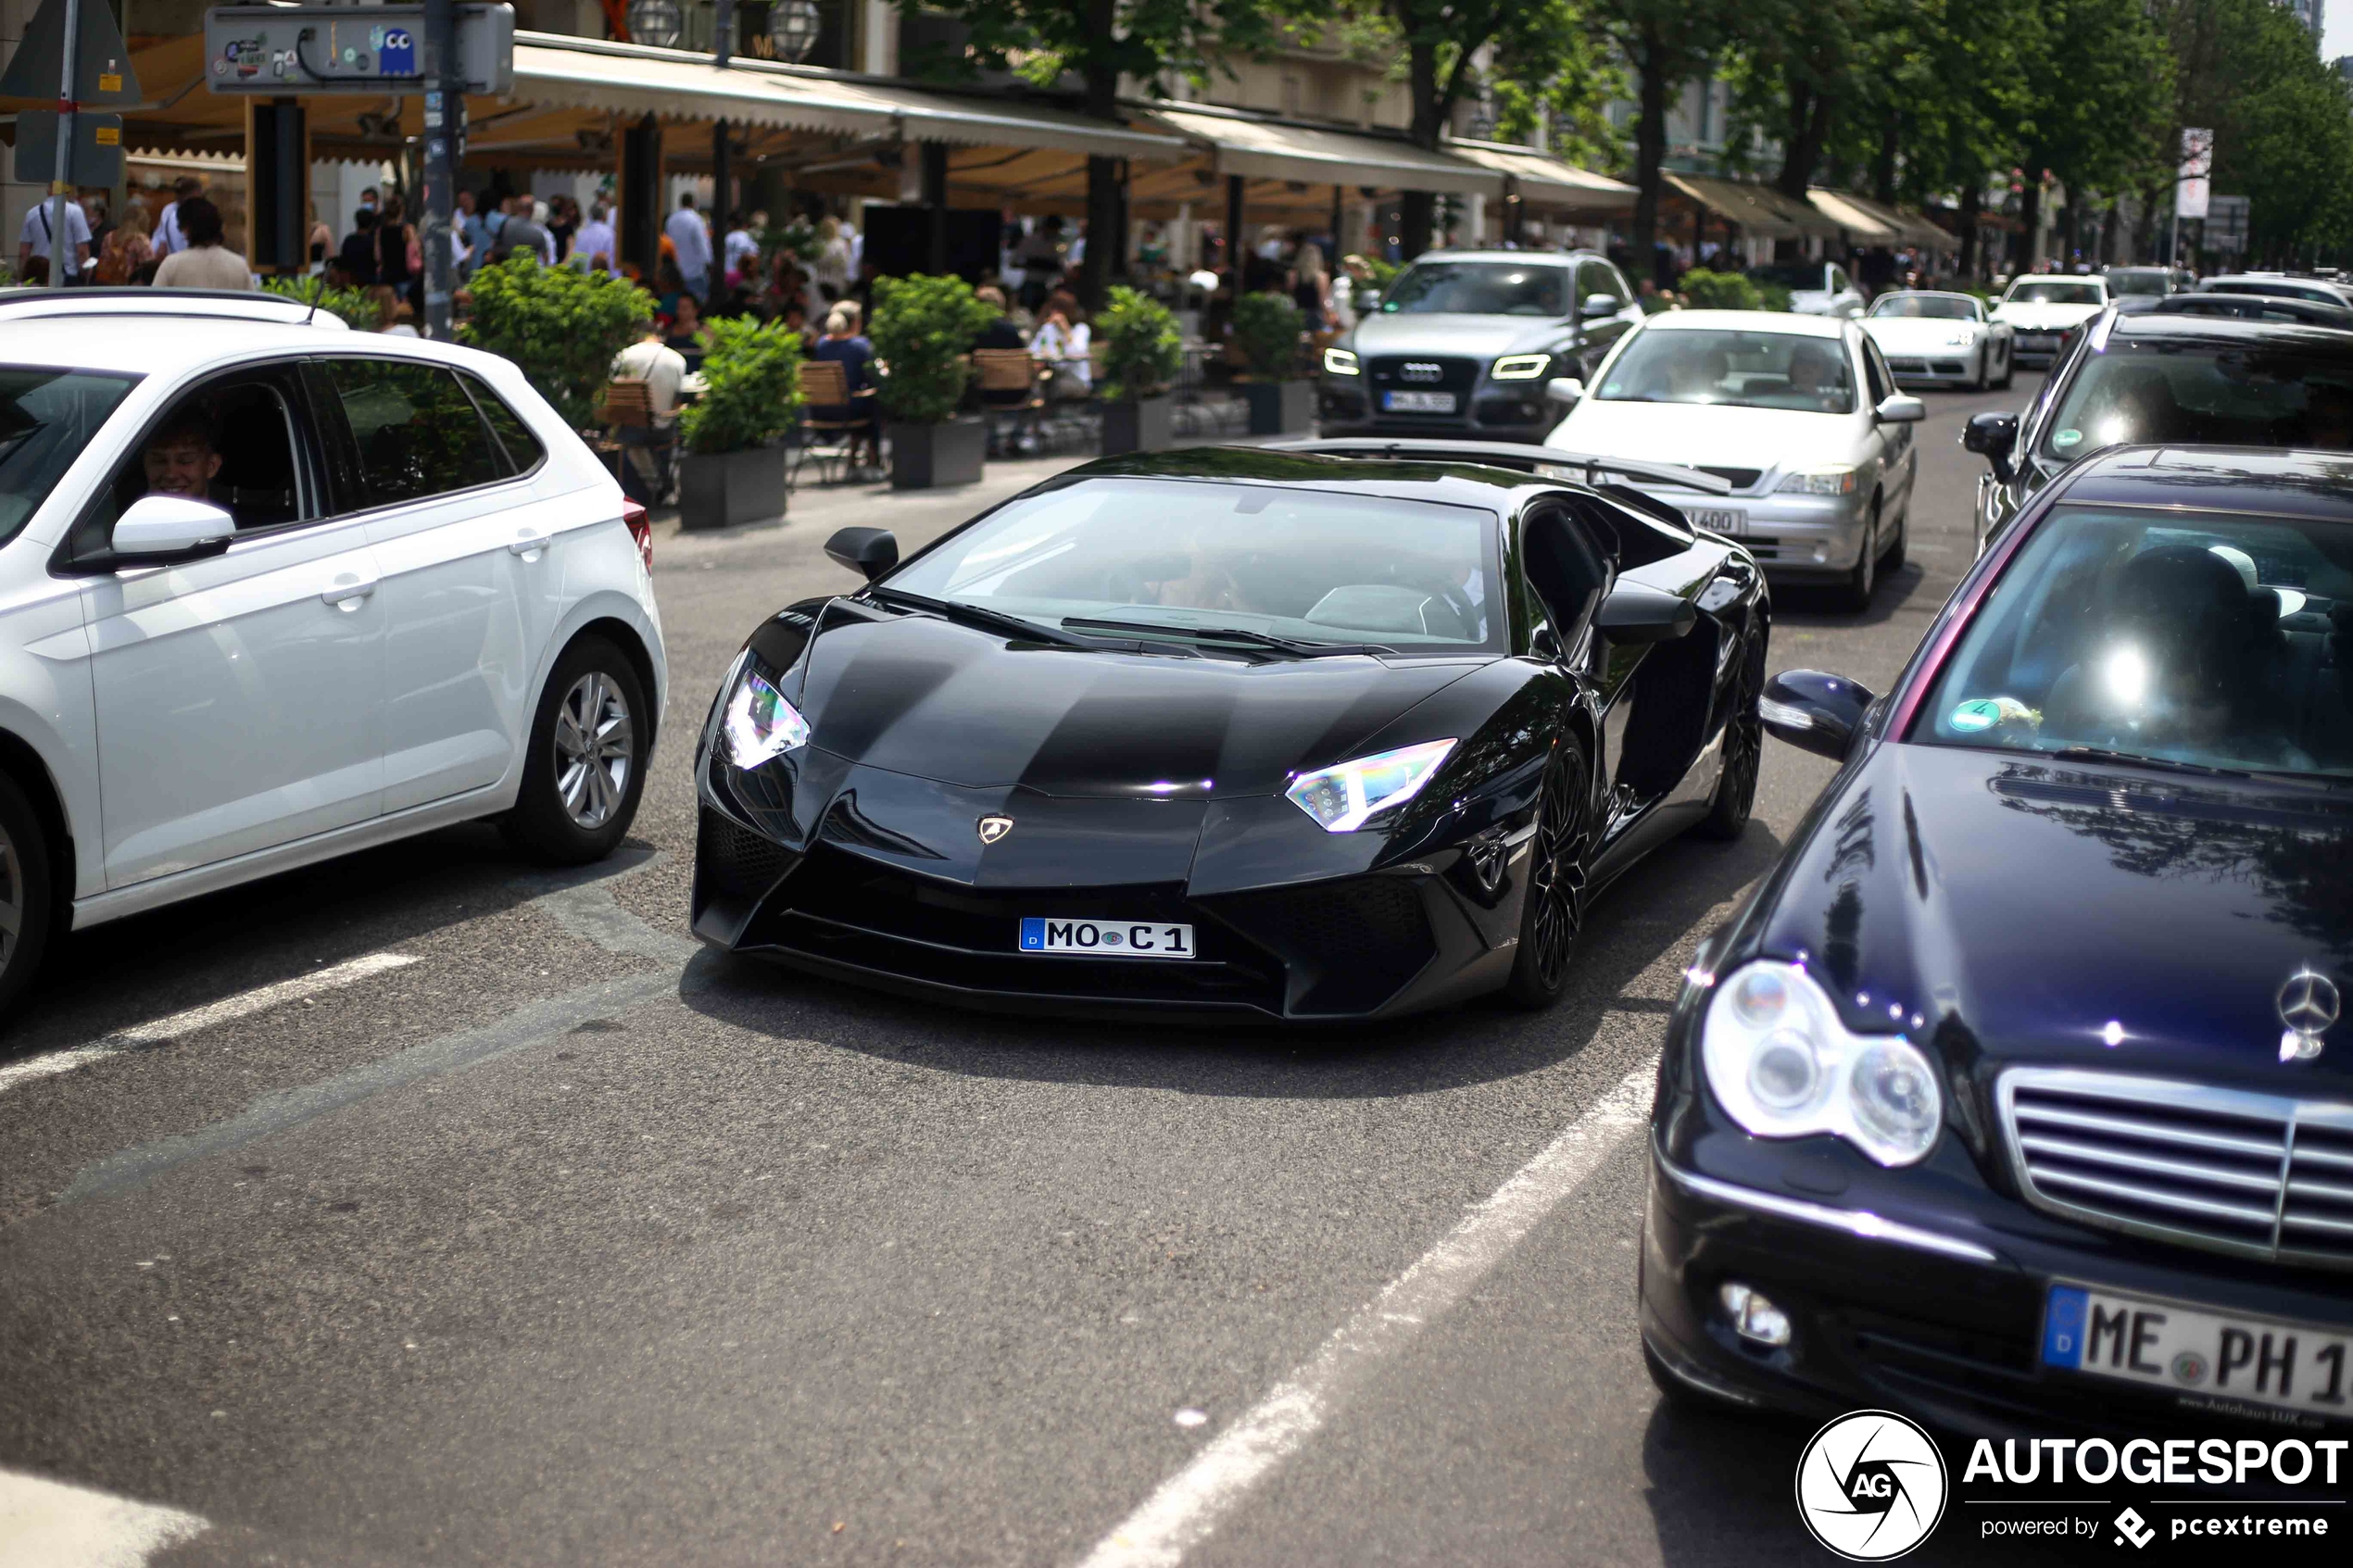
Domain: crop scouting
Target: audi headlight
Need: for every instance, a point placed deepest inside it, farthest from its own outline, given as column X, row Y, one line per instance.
column 1521, row 367
column 759, row 723
column 1783, row 1066
column 1819, row 481
column 1339, row 362
column 1340, row 798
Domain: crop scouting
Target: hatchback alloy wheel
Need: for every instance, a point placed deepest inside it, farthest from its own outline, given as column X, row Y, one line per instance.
column 595, row 751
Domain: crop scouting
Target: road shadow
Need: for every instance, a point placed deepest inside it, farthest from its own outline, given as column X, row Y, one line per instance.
column 1645, row 913
column 1816, row 607
column 218, row 945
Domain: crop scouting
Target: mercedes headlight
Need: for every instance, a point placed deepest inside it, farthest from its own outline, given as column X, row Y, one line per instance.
column 1339, row 362
column 1340, row 798
column 1819, row 481
column 1783, row 1066
column 1521, row 367
column 759, row 723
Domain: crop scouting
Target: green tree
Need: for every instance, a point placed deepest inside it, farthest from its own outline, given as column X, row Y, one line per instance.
column 1097, row 41
column 923, row 327
column 1666, row 44
column 2099, row 87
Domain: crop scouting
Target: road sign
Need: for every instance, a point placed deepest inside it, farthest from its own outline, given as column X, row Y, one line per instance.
column 2195, row 184
column 98, row 148
column 102, row 66
column 283, row 51
column 2226, row 220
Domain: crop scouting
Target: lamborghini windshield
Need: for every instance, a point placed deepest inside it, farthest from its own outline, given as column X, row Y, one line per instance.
column 1199, row 557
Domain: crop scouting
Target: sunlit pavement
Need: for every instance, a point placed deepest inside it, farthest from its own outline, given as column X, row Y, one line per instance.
column 512, row 1229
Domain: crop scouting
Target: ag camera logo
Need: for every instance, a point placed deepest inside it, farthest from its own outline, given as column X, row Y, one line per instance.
column 1871, row 1485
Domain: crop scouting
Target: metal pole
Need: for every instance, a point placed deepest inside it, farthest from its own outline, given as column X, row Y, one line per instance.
column 61, row 239
column 444, row 127
column 721, row 160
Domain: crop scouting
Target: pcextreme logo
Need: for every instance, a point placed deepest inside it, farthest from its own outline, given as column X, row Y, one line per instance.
column 1871, row 1485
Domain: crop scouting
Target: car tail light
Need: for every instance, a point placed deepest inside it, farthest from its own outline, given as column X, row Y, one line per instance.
column 641, row 528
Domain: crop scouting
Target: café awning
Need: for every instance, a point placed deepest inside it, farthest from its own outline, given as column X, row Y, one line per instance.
column 1857, row 220
column 1261, row 149
column 1759, row 210
column 1545, row 181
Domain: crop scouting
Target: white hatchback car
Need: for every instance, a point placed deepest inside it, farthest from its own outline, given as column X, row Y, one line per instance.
column 271, row 591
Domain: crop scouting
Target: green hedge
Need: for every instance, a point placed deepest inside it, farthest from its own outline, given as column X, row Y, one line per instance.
column 561, row 327
column 1142, row 347
column 751, row 375
column 1267, row 326
column 922, row 328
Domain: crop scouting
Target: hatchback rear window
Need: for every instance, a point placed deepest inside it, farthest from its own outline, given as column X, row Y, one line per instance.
column 46, row 418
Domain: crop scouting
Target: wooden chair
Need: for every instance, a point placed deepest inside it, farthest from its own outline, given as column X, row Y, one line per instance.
column 1008, row 381
column 626, row 410
column 824, row 384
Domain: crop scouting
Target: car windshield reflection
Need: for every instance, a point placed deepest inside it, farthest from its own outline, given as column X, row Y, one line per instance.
column 1742, row 369
column 1479, row 288
column 2208, row 396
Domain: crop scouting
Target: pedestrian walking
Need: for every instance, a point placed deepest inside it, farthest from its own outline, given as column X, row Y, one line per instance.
column 37, row 241
column 168, row 235
column 206, row 263
column 691, row 242
column 597, row 242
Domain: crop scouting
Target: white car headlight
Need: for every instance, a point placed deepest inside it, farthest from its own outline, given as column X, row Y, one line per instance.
column 1339, row 362
column 1819, row 481
column 1341, row 797
column 1961, row 337
column 1783, row 1066
column 759, row 723
column 1521, row 367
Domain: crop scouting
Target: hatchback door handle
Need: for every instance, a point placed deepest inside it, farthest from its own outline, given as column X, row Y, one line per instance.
column 527, row 542
column 348, row 591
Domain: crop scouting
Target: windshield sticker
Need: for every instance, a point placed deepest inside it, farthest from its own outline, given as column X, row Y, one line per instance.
column 2063, row 439
column 1985, row 712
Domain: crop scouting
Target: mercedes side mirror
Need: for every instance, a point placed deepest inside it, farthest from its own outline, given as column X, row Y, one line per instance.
column 166, row 530
column 1992, row 437
column 1599, row 304
column 1564, row 390
column 868, row 551
column 1814, row 712
column 1634, row 613
column 1900, row 409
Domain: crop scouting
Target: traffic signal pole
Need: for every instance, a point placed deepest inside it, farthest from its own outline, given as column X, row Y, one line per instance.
column 61, row 183
column 445, row 131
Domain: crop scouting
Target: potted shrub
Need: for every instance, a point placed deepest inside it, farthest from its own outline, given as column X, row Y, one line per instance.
column 1705, row 290
column 922, row 328
column 734, row 468
column 1282, row 401
column 1142, row 353
column 561, row 326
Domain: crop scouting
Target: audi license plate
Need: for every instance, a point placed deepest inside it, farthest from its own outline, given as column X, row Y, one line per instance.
column 1106, row 939
column 1418, row 402
column 1716, row 520
column 2198, row 1350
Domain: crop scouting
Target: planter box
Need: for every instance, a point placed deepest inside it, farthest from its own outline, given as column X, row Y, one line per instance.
column 925, row 457
column 730, row 488
column 1146, row 424
column 1280, row 407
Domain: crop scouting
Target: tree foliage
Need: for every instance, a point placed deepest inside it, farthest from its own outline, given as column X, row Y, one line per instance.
column 560, row 326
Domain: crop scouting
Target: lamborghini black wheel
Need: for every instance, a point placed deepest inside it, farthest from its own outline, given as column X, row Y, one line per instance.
column 1554, row 909
column 1743, row 750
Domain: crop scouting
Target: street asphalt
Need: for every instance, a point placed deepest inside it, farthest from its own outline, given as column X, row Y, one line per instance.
column 564, row 1242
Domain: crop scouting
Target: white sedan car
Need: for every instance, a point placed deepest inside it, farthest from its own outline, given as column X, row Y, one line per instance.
column 2044, row 309
column 1931, row 337
column 271, row 591
column 1798, row 414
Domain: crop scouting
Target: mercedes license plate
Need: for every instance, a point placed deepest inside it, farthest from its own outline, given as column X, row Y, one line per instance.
column 1418, row 402
column 2194, row 1350
column 1716, row 519
column 1106, row 939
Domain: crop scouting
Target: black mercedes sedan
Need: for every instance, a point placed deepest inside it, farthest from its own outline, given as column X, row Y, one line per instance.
column 2016, row 1097
column 2165, row 376
column 1234, row 732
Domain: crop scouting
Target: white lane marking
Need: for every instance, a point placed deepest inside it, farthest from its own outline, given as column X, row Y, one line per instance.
column 46, row 1523
column 240, row 1006
column 1191, row 1503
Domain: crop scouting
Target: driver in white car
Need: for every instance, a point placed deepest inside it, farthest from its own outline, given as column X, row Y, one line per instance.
column 179, row 458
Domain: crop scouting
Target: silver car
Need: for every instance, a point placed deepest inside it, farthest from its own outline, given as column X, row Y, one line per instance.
column 1798, row 414
column 1464, row 340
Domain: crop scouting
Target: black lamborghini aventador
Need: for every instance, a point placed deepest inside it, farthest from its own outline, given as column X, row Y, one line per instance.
column 1282, row 735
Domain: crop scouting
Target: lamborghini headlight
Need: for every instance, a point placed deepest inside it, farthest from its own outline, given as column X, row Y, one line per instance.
column 1819, row 481
column 1341, row 797
column 1339, row 362
column 1783, row 1066
column 759, row 723
column 1521, row 367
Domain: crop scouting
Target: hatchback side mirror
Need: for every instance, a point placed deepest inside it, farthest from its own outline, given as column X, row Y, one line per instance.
column 868, row 551
column 1599, row 304
column 1564, row 390
column 1992, row 437
column 1634, row 613
column 166, row 530
column 1814, row 712
column 1900, row 409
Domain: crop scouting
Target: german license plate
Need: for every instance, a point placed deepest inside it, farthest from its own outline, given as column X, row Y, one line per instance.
column 2195, row 1350
column 1106, row 939
column 1715, row 519
column 1418, row 402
